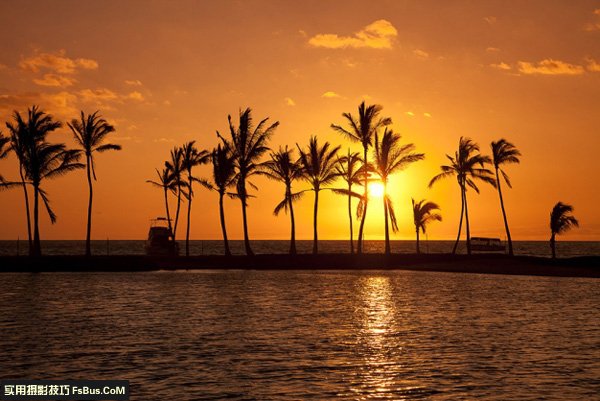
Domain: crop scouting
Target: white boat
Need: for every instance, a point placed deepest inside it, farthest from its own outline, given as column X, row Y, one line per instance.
column 484, row 244
column 160, row 240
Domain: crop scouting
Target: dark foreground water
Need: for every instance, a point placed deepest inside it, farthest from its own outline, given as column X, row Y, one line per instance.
column 307, row 335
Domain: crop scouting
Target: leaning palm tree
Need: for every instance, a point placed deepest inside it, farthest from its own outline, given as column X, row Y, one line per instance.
column 504, row 152
column 561, row 221
column 390, row 157
column 4, row 150
column 351, row 170
column 90, row 132
column 223, row 177
column 363, row 129
column 248, row 143
column 175, row 165
column 191, row 157
column 166, row 182
column 283, row 168
column 467, row 165
column 423, row 214
column 318, row 165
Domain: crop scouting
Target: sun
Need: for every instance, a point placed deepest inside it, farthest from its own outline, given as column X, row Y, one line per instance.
column 376, row 190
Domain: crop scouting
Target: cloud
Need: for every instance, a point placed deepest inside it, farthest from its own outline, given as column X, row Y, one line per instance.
column 330, row 95
column 550, row 67
column 377, row 35
column 592, row 65
column 61, row 105
column 98, row 95
column 492, row 50
column 135, row 95
column 163, row 139
column 57, row 62
column 54, row 80
column 421, row 54
column 490, row 20
column 428, row 115
column 593, row 26
column 289, row 101
column 410, row 113
column 501, row 66
column 133, row 82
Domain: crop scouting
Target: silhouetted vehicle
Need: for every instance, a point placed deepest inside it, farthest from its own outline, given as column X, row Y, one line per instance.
column 484, row 244
column 160, row 240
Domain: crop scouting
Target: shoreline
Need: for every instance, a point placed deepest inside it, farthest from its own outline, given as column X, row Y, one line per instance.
column 582, row 266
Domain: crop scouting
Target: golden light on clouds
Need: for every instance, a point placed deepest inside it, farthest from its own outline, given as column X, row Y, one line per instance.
column 550, row 67
column 377, row 35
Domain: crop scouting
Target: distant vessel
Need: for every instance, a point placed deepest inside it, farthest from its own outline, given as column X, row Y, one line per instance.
column 484, row 244
column 160, row 240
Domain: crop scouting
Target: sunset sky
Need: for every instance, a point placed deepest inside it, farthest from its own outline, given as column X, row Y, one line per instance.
column 166, row 72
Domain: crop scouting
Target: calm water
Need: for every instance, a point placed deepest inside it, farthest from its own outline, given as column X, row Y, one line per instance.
column 307, row 335
column 211, row 247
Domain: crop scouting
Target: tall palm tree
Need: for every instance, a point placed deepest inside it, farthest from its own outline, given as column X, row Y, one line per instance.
column 284, row 169
column 467, row 165
column 175, row 165
column 248, row 143
column 390, row 157
column 4, row 150
column 423, row 214
column 351, row 170
column 318, row 165
column 362, row 129
column 166, row 182
column 561, row 221
column 504, row 152
column 90, row 132
column 223, row 177
column 191, row 156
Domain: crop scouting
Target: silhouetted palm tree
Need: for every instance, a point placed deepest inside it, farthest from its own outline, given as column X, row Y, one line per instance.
column 175, row 165
column 43, row 160
column 389, row 157
column 351, row 170
column 464, row 165
column 504, row 152
column 191, row 156
column 561, row 221
column 166, row 181
column 422, row 215
column 89, row 132
column 248, row 144
column 363, row 129
column 4, row 150
column 224, row 177
column 318, row 165
column 284, row 169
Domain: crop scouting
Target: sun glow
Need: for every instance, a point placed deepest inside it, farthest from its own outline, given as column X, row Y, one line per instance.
column 376, row 190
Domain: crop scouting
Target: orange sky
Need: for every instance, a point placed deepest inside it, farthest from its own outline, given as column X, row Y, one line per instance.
column 167, row 72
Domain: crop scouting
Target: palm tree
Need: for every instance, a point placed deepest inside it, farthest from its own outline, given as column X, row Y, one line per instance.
column 43, row 160
column 166, row 181
column 191, row 157
column 422, row 215
column 248, row 143
column 363, row 129
column 351, row 170
column 318, row 164
column 284, row 169
column 224, row 177
column 89, row 132
column 175, row 165
column 561, row 221
column 389, row 157
column 504, row 152
column 4, row 150
column 467, row 165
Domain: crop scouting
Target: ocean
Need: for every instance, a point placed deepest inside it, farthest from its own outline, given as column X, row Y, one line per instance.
column 215, row 247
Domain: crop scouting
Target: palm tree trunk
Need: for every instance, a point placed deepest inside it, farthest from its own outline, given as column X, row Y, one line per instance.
column 177, row 211
column 387, row 228
column 37, row 247
column 553, row 245
column 293, row 223
column 223, row 227
column 315, row 235
column 462, row 211
column 189, row 213
column 508, row 238
column 27, row 212
column 88, row 248
column 418, row 250
column 350, row 219
column 364, row 215
column 245, row 220
column 467, row 224
column 167, row 210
